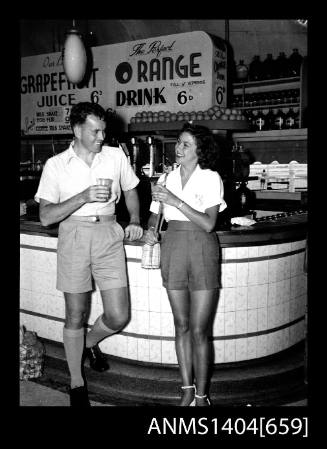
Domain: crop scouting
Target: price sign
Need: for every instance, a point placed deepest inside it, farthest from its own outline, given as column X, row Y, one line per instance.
column 178, row 72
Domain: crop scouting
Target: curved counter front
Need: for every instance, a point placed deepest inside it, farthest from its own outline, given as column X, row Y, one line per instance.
column 262, row 302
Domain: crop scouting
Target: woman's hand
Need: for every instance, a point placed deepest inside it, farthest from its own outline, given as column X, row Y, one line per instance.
column 151, row 237
column 161, row 193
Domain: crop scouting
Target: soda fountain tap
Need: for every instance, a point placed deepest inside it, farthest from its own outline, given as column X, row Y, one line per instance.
column 151, row 155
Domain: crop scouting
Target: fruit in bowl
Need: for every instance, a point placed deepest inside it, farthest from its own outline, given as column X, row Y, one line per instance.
column 215, row 112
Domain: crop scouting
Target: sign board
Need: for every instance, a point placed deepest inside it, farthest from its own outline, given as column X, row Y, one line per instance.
column 178, row 72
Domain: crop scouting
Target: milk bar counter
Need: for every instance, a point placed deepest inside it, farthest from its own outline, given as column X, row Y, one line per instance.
column 262, row 303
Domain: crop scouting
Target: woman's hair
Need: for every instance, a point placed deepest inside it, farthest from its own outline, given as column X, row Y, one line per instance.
column 207, row 147
column 82, row 110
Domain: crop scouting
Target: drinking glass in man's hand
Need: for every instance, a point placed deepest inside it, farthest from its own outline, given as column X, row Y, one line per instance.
column 107, row 182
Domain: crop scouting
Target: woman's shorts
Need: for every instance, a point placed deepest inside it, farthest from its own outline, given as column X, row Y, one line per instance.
column 189, row 257
column 90, row 250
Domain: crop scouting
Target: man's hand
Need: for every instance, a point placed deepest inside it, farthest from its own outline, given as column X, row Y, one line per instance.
column 133, row 231
column 22, row 208
column 96, row 193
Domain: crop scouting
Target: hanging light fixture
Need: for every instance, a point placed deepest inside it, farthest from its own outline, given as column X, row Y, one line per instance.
column 302, row 22
column 74, row 56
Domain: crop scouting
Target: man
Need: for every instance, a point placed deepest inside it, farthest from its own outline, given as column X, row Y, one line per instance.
column 90, row 241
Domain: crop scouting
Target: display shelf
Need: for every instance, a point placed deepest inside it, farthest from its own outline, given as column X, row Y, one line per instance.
column 268, row 82
column 176, row 126
column 264, row 85
column 283, row 134
column 279, row 195
column 270, row 106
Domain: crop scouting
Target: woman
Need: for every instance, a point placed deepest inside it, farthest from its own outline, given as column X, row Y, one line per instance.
column 192, row 198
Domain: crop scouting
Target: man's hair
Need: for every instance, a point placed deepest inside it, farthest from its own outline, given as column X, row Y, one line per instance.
column 81, row 111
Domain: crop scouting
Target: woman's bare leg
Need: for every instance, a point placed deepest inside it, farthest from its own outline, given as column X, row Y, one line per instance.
column 203, row 308
column 180, row 305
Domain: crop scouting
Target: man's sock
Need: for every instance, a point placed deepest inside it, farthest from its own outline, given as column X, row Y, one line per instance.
column 98, row 332
column 74, row 345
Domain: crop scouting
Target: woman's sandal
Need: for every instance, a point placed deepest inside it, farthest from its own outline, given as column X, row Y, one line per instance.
column 186, row 387
column 205, row 397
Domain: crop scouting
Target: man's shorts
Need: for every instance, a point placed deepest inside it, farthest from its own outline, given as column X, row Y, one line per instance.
column 189, row 258
column 87, row 250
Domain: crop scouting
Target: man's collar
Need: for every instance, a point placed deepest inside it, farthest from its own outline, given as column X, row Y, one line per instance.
column 71, row 154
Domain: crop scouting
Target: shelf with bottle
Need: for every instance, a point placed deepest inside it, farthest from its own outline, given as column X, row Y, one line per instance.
column 278, row 118
column 262, row 85
column 275, row 99
column 271, row 106
column 177, row 125
column 272, row 135
column 267, row 98
column 269, row 70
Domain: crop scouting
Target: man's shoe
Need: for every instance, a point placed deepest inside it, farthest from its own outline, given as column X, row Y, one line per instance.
column 79, row 397
column 96, row 358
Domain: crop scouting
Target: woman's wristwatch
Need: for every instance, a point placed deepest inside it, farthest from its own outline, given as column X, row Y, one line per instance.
column 134, row 223
column 179, row 206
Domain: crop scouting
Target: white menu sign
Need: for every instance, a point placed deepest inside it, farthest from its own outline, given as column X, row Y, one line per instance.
column 178, row 72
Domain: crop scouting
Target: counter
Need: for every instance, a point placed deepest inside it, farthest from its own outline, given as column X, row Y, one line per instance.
column 261, row 309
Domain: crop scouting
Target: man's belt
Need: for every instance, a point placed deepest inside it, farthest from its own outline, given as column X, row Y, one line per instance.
column 92, row 218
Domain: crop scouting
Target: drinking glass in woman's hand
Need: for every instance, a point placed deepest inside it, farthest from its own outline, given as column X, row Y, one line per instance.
column 153, row 188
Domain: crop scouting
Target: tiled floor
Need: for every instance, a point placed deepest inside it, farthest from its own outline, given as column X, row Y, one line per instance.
column 129, row 385
column 33, row 394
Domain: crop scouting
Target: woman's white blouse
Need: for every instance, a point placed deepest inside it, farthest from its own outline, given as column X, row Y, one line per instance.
column 204, row 189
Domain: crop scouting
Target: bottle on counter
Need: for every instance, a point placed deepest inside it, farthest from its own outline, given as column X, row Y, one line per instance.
column 279, row 120
column 297, row 118
column 241, row 160
column 38, row 166
column 296, row 97
column 291, row 185
column 278, row 97
column 268, row 67
column 151, row 155
column 244, row 200
column 270, row 119
column 255, row 69
column 248, row 100
column 135, row 154
column 241, row 71
column 260, row 122
column 237, row 101
column 282, row 66
column 290, row 119
column 261, row 98
column 255, row 100
column 288, row 96
column 295, row 62
column 264, row 180
column 252, row 119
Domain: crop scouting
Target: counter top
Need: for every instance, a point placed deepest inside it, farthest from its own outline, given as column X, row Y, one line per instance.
column 281, row 230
